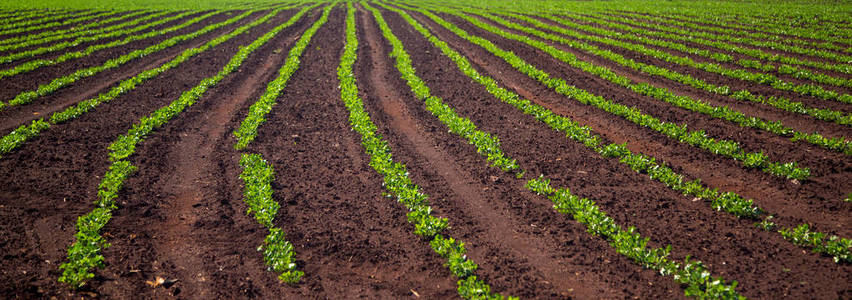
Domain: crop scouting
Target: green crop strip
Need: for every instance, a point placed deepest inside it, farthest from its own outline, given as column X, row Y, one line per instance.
column 257, row 174
column 247, row 131
column 14, row 16
column 736, row 33
column 838, row 144
column 722, row 201
column 24, row 132
column 761, row 78
column 682, row 35
column 396, row 180
column 10, row 15
column 777, row 102
column 677, row 132
column 752, row 39
column 84, row 255
column 798, row 26
column 63, row 45
column 57, row 23
column 485, row 143
column 81, row 28
column 38, row 63
column 58, row 83
column 278, row 253
column 38, row 19
column 49, row 36
column 698, row 281
column 627, row 242
column 641, row 35
column 708, row 39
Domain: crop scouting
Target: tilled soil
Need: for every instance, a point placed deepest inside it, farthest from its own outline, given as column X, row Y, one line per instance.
column 181, row 216
column 775, row 194
column 722, row 237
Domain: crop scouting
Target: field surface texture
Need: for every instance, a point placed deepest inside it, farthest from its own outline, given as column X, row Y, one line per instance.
column 437, row 149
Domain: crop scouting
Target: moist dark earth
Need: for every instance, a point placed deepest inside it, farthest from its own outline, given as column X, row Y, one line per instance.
column 181, row 216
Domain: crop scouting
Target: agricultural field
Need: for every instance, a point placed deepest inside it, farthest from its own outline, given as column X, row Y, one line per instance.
column 435, row 149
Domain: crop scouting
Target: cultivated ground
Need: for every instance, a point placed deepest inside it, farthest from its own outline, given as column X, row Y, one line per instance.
column 722, row 136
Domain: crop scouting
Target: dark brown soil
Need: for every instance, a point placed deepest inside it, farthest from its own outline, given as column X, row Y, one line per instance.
column 709, row 27
column 735, row 55
column 84, row 45
column 31, row 80
column 695, row 228
column 735, row 84
column 725, row 173
column 66, row 26
column 769, row 50
column 701, row 59
column 181, row 216
column 799, row 122
column 89, row 87
column 58, row 175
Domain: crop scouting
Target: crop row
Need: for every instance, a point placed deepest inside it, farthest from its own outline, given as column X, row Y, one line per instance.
column 38, row 18
column 760, row 78
column 6, row 16
column 708, row 39
column 247, row 131
column 838, row 144
column 775, row 32
column 780, row 37
column 49, row 36
column 63, row 45
column 84, row 254
column 723, row 201
column 772, row 20
column 278, row 253
column 395, row 174
column 56, row 23
column 14, row 15
column 642, row 36
column 25, row 132
column 257, row 174
column 627, row 242
column 38, row 63
column 58, row 83
column 782, row 103
column 681, row 133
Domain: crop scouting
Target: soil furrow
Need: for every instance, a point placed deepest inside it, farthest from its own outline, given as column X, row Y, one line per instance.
column 813, row 202
column 739, row 26
column 89, row 87
column 83, row 45
column 718, row 79
column 349, row 239
column 66, row 26
column 746, row 45
column 695, row 57
column 496, row 224
column 31, row 80
column 829, row 169
column 531, row 220
column 58, row 170
column 798, row 122
column 731, row 248
column 187, row 186
column 735, row 55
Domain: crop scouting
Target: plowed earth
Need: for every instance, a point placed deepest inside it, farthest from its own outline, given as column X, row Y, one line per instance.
column 181, row 215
